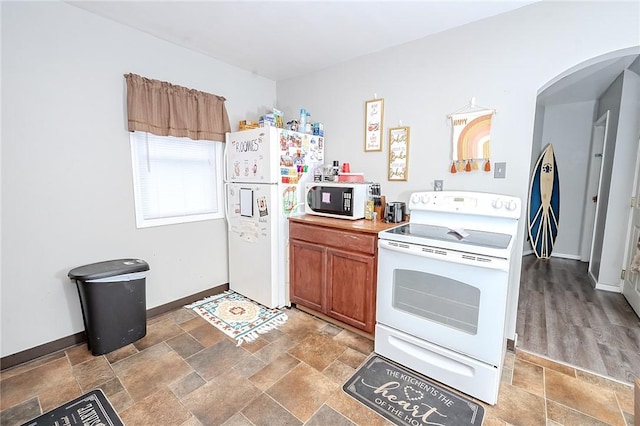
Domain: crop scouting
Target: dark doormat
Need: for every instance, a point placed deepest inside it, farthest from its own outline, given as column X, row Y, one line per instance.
column 92, row 408
column 407, row 398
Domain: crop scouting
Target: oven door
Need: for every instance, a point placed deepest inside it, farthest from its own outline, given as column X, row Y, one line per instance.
column 452, row 299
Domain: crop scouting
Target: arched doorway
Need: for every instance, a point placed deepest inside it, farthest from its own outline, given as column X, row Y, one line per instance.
column 566, row 318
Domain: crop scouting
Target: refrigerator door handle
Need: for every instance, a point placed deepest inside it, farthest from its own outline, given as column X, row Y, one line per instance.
column 225, row 167
column 226, row 204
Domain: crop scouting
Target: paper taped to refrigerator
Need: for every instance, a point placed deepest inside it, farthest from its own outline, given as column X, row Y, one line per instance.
column 249, row 231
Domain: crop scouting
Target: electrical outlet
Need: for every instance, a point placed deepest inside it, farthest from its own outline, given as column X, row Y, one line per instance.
column 437, row 185
column 500, row 170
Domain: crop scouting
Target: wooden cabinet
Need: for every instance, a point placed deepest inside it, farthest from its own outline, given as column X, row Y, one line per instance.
column 334, row 272
column 351, row 288
column 307, row 264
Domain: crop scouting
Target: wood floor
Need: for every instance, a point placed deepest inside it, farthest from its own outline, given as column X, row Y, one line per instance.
column 560, row 316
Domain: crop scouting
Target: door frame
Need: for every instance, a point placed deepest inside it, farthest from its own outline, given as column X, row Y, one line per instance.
column 593, row 184
column 598, row 214
column 631, row 293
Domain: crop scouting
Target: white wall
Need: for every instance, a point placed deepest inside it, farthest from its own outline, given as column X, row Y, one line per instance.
column 635, row 66
column 502, row 61
column 627, row 135
column 67, row 194
column 568, row 128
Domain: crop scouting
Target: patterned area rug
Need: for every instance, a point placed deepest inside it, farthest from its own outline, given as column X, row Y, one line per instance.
column 409, row 399
column 237, row 316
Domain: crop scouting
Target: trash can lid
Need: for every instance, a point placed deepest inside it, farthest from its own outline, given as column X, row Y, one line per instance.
column 108, row 268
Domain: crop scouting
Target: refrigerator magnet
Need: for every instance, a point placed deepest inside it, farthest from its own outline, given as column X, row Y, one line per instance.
column 262, row 206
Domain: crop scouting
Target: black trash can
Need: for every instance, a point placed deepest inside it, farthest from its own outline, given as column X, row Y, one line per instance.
column 113, row 301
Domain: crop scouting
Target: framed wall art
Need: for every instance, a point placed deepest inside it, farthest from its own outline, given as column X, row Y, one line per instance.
column 399, row 153
column 373, row 118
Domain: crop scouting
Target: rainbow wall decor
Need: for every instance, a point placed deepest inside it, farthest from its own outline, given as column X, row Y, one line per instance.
column 470, row 140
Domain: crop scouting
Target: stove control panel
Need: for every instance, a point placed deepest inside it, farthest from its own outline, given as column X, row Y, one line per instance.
column 420, row 198
column 476, row 203
column 507, row 203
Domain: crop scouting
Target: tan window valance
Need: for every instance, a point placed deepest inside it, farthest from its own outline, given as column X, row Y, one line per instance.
column 166, row 109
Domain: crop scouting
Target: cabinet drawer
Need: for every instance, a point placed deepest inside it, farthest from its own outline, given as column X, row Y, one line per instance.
column 352, row 241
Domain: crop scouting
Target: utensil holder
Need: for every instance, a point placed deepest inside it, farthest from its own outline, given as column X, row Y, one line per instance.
column 378, row 205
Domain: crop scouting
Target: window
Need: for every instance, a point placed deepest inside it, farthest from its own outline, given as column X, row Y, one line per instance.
column 175, row 180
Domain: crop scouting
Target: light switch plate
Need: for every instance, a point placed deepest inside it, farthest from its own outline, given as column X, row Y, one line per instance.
column 437, row 185
column 500, row 170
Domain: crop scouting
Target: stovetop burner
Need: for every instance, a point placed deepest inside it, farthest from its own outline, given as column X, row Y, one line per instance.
column 415, row 232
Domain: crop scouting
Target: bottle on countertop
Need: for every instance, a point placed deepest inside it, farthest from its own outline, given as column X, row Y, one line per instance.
column 369, row 204
column 302, row 125
column 309, row 126
column 335, row 170
column 368, row 208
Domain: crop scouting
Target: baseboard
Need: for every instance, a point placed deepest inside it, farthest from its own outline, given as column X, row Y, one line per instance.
column 41, row 350
column 172, row 306
column 558, row 255
column 511, row 344
column 69, row 341
column 566, row 256
column 609, row 287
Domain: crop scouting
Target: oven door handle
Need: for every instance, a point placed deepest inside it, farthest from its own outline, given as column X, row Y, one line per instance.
column 444, row 255
column 408, row 248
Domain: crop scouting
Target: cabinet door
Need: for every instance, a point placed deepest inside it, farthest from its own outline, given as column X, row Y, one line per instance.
column 351, row 288
column 306, row 274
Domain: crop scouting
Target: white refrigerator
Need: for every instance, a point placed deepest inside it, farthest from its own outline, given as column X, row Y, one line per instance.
column 265, row 170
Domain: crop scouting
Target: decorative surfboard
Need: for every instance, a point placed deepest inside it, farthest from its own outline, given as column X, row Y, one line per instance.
column 544, row 204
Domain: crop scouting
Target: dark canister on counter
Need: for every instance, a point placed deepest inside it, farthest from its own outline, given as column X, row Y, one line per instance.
column 394, row 212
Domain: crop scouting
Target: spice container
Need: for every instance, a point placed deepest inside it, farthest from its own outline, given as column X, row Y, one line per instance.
column 369, row 205
column 335, row 170
column 368, row 209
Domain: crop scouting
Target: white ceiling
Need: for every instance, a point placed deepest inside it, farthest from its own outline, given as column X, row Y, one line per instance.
column 284, row 39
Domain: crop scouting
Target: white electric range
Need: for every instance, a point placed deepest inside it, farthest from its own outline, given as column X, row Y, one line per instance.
column 443, row 283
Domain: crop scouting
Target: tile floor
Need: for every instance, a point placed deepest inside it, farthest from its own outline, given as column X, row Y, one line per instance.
column 186, row 372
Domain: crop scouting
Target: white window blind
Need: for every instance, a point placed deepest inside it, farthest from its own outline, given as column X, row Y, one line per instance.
column 175, row 179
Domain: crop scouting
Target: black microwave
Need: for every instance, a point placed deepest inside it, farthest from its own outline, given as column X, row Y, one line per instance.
column 340, row 200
